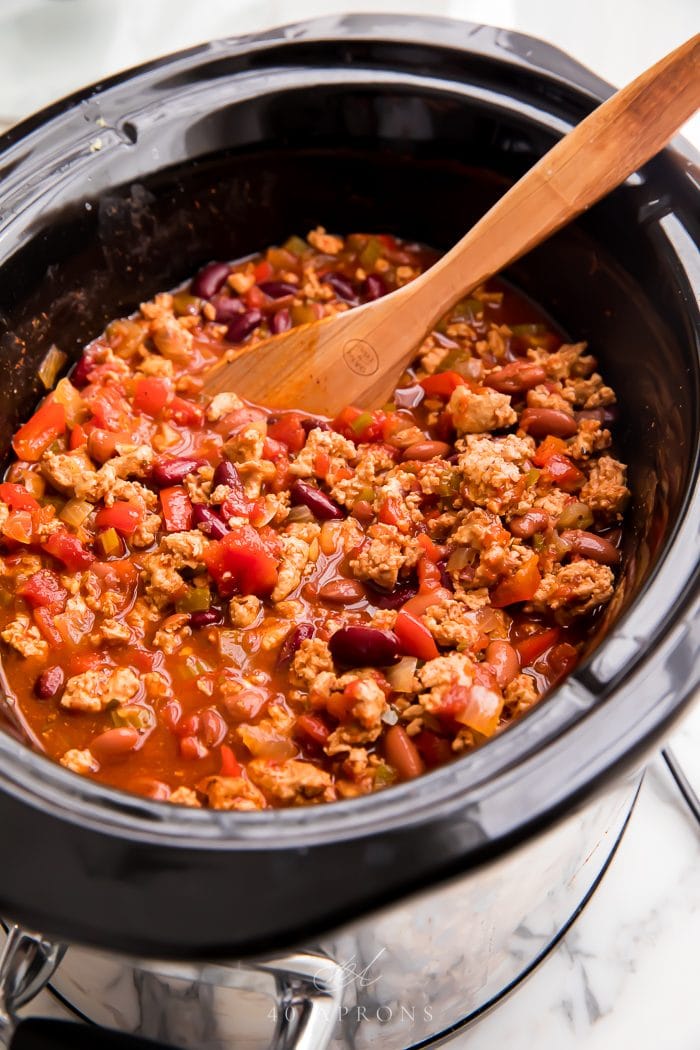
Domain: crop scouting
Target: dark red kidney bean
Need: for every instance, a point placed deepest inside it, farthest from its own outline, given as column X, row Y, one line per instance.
column 424, row 450
column 278, row 289
column 364, row 647
column 516, row 377
column 409, row 396
column 209, row 521
column 529, row 523
column 318, row 503
column 166, row 472
column 79, row 375
column 504, row 660
column 241, row 326
column 588, row 545
column 543, row 421
column 227, row 307
column 402, row 753
column 206, row 618
column 307, row 425
column 226, row 473
column 281, row 321
column 213, row 727
column 562, row 659
column 114, row 743
column 372, row 288
column 209, row 279
column 391, row 599
column 341, row 285
column 49, row 683
column 341, row 592
column 604, row 414
column 289, row 646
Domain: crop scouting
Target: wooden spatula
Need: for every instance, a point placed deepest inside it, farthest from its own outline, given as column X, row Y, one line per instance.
column 357, row 356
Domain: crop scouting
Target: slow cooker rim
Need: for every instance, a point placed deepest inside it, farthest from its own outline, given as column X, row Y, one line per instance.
column 64, row 787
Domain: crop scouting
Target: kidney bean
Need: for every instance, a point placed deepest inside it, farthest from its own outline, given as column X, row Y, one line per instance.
column 604, row 414
column 227, row 308
column 318, row 503
column 543, row 421
column 115, row 743
column 402, row 753
column 155, row 789
column 424, row 450
column 206, row 618
column 409, row 396
column 79, row 375
column 364, row 647
column 372, row 288
column 289, row 646
column 341, row 592
column 166, row 472
column 529, row 523
column 210, row 522
column 214, row 727
column 278, row 289
column 281, row 321
column 226, row 473
column 391, row 599
column 516, row 377
column 341, row 285
column 504, row 660
column 307, row 425
column 49, row 683
column 588, row 545
column 209, row 279
column 241, row 327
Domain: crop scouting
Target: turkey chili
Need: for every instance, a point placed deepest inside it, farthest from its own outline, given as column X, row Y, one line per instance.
column 207, row 602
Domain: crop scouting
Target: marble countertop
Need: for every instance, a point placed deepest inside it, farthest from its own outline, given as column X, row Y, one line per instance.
column 625, row 975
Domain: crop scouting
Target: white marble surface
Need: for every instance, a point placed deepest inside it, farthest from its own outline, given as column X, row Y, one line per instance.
column 625, row 976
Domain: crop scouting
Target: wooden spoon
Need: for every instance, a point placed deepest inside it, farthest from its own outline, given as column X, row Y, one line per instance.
column 356, row 357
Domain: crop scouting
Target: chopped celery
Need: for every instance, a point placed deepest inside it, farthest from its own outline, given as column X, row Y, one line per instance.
column 296, row 245
column 370, row 253
column 109, row 543
column 51, row 365
column 197, row 599
column 363, row 421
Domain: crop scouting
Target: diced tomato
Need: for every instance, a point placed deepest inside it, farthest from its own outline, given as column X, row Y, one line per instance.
column 434, row 750
column 44, row 619
column 78, row 437
column 254, row 298
column 417, row 605
column 191, row 748
column 519, row 587
column 44, row 589
column 414, row 637
column 177, row 508
column 19, row 526
column 230, row 766
column 186, row 413
column 242, row 562
column 17, row 497
column 313, row 728
column 47, row 424
column 69, row 550
column 262, row 271
column 477, row 706
column 143, row 659
column 551, row 446
column 442, row 384
column 109, row 407
column 432, row 551
column 151, row 394
column 340, row 705
column 123, row 515
column 562, row 659
column 360, row 426
column 562, row 472
column 393, row 512
column 289, row 430
column 531, row 648
column 117, row 575
column 80, row 662
column 429, row 575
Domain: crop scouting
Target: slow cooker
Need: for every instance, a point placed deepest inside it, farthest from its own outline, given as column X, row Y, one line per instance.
column 390, row 920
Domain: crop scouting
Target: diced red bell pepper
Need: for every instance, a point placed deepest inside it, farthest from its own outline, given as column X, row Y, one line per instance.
column 47, row 424
column 19, row 526
column 151, row 394
column 78, row 437
column 392, row 511
column 531, row 648
column 519, row 587
column 44, row 619
column 69, row 550
column 414, row 637
column 44, row 589
column 288, row 429
column 230, row 766
column 186, row 413
column 177, row 508
column 442, row 384
column 429, row 575
column 124, row 516
column 241, row 562
column 432, row 551
column 562, row 472
column 551, row 446
column 109, row 407
column 313, row 728
column 262, row 271
column 17, row 497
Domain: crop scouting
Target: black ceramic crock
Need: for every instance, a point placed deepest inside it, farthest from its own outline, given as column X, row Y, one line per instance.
column 411, row 126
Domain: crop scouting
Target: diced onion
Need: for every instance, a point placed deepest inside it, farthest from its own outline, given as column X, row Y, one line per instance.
column 68, row 396
column 400, row 676
column 300, row 513
column 266, row 743
column 75, row 512
column 461, row 558
column 51, row 365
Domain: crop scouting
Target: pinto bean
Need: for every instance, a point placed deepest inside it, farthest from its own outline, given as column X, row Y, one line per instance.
column 425, row 450
column 516, row 377
column 115, row 743
column 364, row 647
column 588, row 545
column 402, row 753
column 543, row 421
column 529, row 523
column 341, row 592
column 504, row 660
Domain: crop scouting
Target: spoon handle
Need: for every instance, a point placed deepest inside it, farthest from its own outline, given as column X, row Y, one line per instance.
column 618, row 137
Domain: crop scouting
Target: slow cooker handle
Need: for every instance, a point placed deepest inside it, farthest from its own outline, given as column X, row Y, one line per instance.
column 309, row 991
